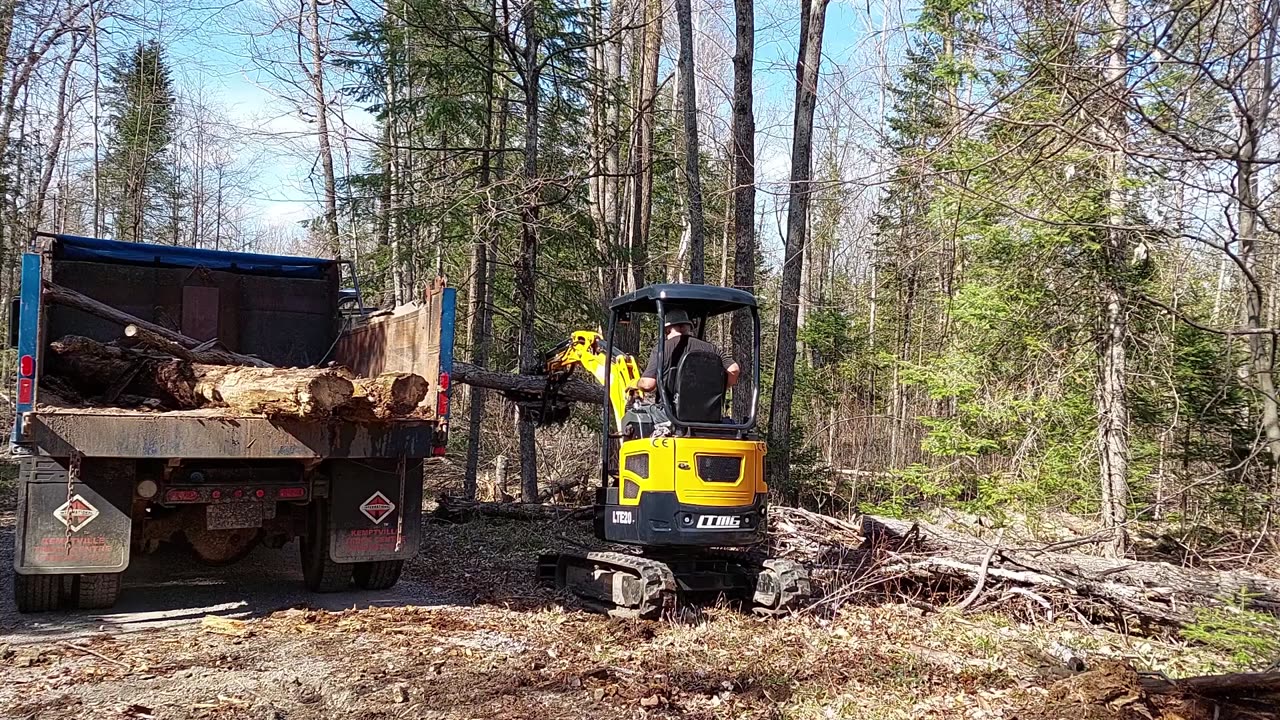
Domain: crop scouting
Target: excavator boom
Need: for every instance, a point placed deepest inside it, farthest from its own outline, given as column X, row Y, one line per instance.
column 587, row 350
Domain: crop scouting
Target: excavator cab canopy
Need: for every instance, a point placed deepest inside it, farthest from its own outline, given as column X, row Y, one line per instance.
column 703, row 300
column 682, row 383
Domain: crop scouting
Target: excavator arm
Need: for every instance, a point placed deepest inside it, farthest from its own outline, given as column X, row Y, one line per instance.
column 586, row 349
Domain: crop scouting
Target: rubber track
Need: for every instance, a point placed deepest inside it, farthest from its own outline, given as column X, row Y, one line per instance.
column 793, row 580
column 659, row 584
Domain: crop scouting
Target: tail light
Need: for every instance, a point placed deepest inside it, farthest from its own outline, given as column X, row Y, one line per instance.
column 24, row 390
column 182, row 495
column 442, row 399
column 291, row 493
column 27, row 366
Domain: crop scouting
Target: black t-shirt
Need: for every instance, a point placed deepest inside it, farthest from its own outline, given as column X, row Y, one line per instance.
column 691, row 343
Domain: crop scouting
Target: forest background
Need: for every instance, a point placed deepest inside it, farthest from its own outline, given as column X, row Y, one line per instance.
column 1014, row 257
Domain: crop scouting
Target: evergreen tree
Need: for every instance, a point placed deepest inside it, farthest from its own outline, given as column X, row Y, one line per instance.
column 137, row 176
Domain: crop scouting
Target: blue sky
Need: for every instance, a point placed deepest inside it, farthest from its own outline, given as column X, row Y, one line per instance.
column 210, row 51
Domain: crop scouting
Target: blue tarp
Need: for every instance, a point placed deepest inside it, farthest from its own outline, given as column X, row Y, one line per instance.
column 72, row 247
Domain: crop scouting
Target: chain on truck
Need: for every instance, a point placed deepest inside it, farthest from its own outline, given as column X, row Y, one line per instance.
column 98, row 485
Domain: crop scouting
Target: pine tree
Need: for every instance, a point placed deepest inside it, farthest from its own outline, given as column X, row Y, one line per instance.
column 137, row 174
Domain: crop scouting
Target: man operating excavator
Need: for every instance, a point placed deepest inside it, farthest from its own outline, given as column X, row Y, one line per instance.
column 679, row 340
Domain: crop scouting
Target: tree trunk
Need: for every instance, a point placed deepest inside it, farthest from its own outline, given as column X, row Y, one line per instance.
column 94, row 369
column 693, row 176
column 295, row 392
column 390, row 395
column 332, row 245
column 484, row 232
column 1112, row 400
column 812, row 23
column 612, row 197
column 59, row 129
column 641, row 192
column 744, row 199
column 107, row 370
column 526, row 265
column 1252, row 123
column 524, row 385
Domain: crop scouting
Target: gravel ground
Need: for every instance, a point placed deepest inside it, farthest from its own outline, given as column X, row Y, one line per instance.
column 169, row 588
column 467, row 634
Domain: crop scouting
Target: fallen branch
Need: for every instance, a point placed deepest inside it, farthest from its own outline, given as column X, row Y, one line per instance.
column 71, row 298
column 460, row 510
column 981, row 584
column 96, row 654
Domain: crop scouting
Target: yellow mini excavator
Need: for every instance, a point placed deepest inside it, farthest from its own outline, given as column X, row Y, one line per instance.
column 680, row 481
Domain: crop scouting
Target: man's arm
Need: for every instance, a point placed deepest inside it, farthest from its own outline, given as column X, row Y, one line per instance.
column 648, row 381
column 731, row 374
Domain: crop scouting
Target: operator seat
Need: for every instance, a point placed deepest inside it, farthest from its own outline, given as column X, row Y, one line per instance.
column 699, row 387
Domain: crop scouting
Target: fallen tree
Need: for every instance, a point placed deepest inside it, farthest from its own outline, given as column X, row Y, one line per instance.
column 1153, row 591
column 1124, row 692
column 887, row 553
column 523, row 387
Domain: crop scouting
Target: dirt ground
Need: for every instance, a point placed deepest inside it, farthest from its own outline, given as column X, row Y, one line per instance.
column 468, row 634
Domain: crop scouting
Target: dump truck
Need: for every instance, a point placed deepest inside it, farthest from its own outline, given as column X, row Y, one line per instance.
column 109, row 474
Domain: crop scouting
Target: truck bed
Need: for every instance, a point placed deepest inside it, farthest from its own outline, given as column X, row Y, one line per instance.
column 215, row 433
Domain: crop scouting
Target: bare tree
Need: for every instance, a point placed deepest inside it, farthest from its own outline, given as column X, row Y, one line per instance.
column 1113, row 408
column 744, row 192
column 693, row 177
column 527, row 264
column 813, row 16
column 315, row 70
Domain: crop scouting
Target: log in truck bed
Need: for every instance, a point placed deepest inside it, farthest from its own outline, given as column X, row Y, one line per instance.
column 98, row 484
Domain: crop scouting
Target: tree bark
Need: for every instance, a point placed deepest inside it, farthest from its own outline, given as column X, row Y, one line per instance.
column 693, row 175
column 95, row 369
column 744, row 198
column 812, row 23
column 294, row 392
column 1112, row 399
column 526, row 266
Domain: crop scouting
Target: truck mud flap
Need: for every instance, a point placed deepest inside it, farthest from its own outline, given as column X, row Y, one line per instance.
column 85, row 530
column 375, row 510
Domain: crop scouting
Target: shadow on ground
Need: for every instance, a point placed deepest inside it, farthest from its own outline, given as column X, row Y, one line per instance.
column 169, row 588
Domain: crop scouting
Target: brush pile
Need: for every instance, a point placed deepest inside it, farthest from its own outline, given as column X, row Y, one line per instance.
column 922, row 560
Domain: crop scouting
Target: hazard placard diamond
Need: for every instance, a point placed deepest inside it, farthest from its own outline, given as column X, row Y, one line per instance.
column 377, row 508
column 76, row 513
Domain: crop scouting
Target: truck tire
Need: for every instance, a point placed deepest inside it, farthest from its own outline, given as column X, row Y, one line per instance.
column 378, row 575
column 37, row 593
column 95, row 591
column 319, row 571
